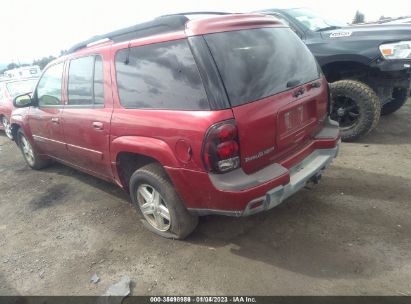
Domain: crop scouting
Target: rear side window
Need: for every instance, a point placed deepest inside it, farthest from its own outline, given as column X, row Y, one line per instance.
column 98, row 81
column 258, row 63
column 160, row 76
column 85, row 83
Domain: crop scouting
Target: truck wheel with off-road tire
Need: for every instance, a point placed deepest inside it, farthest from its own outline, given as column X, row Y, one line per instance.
column 163, row 212
column 356, row 107
column 400, row 96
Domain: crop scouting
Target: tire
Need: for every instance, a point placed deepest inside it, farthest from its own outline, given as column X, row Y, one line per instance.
column 32, row 158
column 152, row 193
column 400, row 96
column 356, row 107
column 7, row 127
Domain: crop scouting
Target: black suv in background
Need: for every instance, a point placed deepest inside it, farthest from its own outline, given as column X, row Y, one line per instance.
column 369, row 66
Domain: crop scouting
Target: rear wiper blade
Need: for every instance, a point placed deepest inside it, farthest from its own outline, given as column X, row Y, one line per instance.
column 328, row 28
column 293, row 83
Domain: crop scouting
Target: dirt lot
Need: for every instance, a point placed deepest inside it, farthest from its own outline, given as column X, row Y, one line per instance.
column 349, row 235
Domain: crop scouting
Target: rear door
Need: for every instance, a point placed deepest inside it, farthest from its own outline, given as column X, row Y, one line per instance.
column 45, row 117
column 269, row 75
column 87, row 115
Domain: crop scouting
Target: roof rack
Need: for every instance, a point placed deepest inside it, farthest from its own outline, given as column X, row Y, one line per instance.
column 197, row 13
column 160, row 25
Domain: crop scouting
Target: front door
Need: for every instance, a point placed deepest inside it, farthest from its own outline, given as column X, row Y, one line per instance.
column 45, row 116
column 87, row 115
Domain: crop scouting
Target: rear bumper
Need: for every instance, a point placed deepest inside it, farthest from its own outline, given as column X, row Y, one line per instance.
column 240, row 194
column 309, row 169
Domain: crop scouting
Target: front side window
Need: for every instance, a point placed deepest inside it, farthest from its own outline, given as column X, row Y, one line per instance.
column 49, row 86
column 258, row 63
column 286, row 22
column 85, row 81
column 160, row 76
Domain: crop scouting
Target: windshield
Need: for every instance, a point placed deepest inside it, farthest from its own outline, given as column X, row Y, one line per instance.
column 20, row 87
column 258, row 63
column 312, row 20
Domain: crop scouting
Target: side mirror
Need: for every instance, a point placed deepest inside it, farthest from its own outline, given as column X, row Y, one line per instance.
column 22, row 101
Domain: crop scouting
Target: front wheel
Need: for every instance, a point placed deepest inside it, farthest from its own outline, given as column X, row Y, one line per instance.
column 32, row 158
column 400, row 96
column 356, row 107
column 153, row 194
column 7, row 127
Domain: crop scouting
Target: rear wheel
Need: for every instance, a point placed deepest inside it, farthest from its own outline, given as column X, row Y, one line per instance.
column 400, row 96
column 7, row 127
column 356, row 107
column 31, row 157
column 155, row 197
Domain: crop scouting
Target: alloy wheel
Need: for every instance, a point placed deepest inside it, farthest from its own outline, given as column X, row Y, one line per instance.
column 345, row 111
column 153, row 207
column 7, row 128
column 27, row 150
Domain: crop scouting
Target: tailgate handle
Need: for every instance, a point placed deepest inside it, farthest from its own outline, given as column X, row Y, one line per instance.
column 55, row 120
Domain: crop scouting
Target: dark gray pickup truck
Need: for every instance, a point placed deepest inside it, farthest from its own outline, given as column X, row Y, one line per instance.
column 368, row 66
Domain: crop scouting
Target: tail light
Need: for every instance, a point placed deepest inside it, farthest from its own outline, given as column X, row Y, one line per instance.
column 221, row 150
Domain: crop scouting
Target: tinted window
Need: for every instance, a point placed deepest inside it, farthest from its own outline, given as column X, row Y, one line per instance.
column 83, row 89
column 258, row 63
column 80, row 83
column 160, row 76
column 98, row 82
column 49, row 87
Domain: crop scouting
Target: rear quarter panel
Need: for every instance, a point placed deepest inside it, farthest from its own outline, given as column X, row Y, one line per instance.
column 163, row 134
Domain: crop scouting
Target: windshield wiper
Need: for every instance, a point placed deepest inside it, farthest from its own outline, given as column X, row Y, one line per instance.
column 328, row 28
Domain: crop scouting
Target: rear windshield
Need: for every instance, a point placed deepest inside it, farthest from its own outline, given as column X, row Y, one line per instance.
column 258, row 63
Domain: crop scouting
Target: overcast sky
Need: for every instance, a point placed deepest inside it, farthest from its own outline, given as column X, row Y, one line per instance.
column 31, row 29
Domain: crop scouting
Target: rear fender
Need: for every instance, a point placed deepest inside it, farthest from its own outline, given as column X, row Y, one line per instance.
column 146, row 146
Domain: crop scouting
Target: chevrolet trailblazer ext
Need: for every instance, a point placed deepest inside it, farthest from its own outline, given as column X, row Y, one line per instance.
column 220, row 115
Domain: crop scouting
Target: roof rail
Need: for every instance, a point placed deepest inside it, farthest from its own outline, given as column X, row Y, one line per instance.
column 159, row 25
column 197, row 13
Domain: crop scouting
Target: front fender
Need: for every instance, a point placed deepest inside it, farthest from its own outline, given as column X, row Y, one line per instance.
column 147, row 146
column 16, row 119
column 358, row 59
column 16, row 122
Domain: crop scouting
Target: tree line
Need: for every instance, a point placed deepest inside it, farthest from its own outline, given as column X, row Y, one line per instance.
column 40, row 62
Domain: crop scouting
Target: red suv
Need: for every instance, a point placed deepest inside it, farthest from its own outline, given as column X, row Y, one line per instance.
column 8, row 90
column 220, row 115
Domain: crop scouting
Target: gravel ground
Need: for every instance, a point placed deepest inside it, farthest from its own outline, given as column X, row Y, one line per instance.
column 350, row 235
